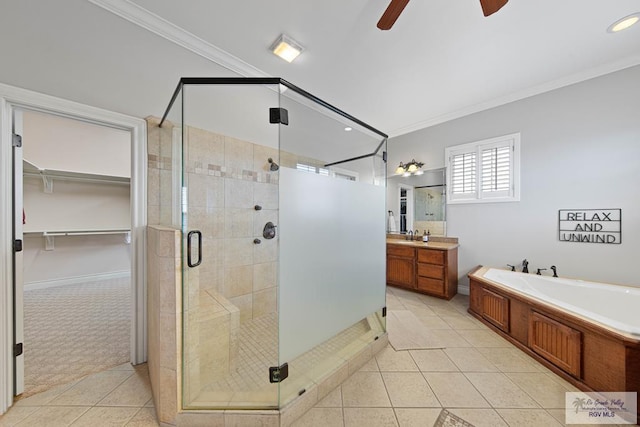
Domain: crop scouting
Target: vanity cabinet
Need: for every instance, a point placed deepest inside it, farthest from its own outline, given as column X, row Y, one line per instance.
column 432, row 271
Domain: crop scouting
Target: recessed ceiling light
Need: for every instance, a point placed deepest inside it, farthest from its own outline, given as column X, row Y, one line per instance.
column 286, row 48
column 348, row 129
column 624, row 23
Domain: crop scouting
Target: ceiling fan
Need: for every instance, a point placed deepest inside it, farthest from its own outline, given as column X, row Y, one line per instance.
column 396, row 7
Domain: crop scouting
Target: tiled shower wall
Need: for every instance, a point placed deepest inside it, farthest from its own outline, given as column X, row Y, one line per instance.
column 227, row 177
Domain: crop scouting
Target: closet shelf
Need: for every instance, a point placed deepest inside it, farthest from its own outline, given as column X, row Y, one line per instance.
column 49, row 236
column 78, row 232
column 30, row 169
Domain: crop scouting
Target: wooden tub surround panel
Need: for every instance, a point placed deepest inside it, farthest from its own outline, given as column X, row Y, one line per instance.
column 588, row 355
column 495, row 309
column 555, row 342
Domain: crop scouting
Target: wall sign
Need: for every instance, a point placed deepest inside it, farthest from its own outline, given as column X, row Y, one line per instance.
column 590, row 225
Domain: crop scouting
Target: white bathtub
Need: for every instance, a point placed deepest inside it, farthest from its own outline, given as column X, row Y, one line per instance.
column 614, row 306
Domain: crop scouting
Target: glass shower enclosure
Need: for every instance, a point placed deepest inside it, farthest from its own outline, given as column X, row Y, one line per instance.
column 280, row 198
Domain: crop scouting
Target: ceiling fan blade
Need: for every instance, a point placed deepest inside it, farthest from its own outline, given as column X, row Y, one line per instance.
column 492, row 6
column 391, row 14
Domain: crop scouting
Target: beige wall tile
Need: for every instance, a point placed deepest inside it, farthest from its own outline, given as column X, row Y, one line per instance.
column 192, row 419
column 238, row 154
column 238, row 193
column 204, row 146
column 265, row 195
column 261, row 155
column 238, row 281
column 239, row 252
column 267, row 251
column 264, row 302
column 168, row 407
column 238, row 222
column 245, row 305
column 290, row 413
column 265, row 275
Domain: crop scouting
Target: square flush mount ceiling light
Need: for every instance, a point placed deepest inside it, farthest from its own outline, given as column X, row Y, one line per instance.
column 286, row 48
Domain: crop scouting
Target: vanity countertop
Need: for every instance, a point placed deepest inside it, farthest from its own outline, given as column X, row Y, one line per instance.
column 444, row 246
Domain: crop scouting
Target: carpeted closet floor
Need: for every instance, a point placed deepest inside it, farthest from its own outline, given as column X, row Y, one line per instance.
column 75, row 330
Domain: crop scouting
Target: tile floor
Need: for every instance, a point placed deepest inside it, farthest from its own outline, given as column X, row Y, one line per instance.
column 479, row 377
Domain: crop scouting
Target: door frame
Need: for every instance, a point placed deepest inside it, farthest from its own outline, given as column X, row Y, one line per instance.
column 12, row 97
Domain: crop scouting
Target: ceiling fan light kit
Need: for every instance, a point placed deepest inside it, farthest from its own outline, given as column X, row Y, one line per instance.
column 395, row 8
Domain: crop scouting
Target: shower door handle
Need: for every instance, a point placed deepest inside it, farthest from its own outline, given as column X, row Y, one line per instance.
column 190, row 263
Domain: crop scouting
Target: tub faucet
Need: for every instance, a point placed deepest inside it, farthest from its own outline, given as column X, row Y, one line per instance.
column 416, row 235
column 513, row 267
column 540, row 270
column 410, row 232
column 525, row 266
column 555, row 273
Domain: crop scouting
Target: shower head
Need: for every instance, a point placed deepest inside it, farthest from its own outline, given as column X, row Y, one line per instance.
column 273, row 165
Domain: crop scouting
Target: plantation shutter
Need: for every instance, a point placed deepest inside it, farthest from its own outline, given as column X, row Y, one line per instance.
column 463, row 175
column 496, row 171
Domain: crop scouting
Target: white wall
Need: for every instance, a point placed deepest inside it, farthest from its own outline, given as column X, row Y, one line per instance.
column 53, row 142
column 580, row 149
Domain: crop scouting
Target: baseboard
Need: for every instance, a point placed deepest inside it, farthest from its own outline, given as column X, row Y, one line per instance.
column 76, row 280
column 463, row 289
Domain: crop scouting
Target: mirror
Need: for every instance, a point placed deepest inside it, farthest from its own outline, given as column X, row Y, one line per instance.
column 417, row 202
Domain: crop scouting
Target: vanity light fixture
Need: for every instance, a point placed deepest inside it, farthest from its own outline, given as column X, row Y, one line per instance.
column 411, row 168
column 624, row 23
column 286, row 48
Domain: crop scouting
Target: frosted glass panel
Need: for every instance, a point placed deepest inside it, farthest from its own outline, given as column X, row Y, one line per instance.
column 332, row 257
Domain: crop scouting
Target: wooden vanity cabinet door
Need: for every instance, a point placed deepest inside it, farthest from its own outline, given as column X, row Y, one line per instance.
column 401, row 266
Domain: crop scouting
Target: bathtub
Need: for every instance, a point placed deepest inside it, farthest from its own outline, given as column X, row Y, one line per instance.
column 613, row 306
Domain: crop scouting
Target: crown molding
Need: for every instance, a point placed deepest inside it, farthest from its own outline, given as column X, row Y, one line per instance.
column 143, row 18
column 571, row 79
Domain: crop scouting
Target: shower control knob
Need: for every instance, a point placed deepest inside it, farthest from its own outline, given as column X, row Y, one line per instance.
column 257, row 207
column 269, row 230
column 257, row 241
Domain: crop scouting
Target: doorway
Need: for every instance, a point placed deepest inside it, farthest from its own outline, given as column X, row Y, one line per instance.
column 13, row 99
column 76, row 257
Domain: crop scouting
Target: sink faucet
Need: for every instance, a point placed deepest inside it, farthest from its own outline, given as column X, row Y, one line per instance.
column 416, row 235
column 525, row 266
column 539, row 273
column 410, row 232
column 553, row 268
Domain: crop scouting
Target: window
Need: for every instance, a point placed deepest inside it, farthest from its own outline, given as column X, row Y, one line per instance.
column 332, row 171
column 484, row 171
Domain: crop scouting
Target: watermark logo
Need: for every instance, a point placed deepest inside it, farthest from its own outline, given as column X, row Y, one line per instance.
column 601, row 408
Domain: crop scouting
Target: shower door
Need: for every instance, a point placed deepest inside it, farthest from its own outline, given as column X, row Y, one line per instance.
column 230, row 194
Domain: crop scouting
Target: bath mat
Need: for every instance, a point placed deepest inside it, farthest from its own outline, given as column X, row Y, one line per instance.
column 407, row 332
column 447, row 419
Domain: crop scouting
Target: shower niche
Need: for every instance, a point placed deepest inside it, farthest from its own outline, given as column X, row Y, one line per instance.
column 276, row 200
